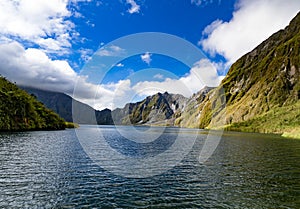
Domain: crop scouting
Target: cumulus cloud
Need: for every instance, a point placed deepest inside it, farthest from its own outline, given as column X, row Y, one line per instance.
column 110, row 51
column 120, row 65
column 86, row 54
column 44, row 23
column 146, row 58
column 200, row 2
column 32, row 67
column 158, row 76
column 203, row 73
column 135, row 8
column 253, row 21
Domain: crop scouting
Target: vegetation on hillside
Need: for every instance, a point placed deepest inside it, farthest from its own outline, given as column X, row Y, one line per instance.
column 281, row 120
column 20, row 111
column 261, row 91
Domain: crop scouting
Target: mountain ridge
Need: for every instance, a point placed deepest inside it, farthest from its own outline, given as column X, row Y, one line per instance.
column 263, row 80
column 156, row 109
column 261, row 84
column 153, row 109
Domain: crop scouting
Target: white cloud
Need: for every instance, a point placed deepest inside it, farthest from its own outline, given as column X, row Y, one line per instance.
column 196, row 2
column 85, row 54
column 33, row 67
column 200, row 2
column 203, row 73
column 89, row 23
column 110, row 51
column 59, row 45
column 146, row 58
column 253, row 21
column 77, row 1
column 158, row 76
column 37, row 21
column 120, row 65
column 135, row 8
column 45, row 24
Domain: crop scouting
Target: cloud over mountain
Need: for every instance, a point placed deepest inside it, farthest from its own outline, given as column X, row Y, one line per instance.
column 251, row 23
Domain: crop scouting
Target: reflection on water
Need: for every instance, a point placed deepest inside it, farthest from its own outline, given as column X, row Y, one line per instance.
column 50, row 169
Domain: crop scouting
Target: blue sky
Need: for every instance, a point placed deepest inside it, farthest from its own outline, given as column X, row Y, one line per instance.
column 78, row 46
column 111, row 20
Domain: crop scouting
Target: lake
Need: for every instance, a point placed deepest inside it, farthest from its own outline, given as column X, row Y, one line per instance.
column 141, row 167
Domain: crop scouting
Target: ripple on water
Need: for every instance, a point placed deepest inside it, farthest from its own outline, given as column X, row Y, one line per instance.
column 50, row 169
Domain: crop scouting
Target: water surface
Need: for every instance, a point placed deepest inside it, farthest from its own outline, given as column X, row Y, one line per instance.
column 51, row 170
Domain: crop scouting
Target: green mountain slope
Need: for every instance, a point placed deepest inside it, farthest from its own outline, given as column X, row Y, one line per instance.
column 261, row 93
column 267, row 77
column 21, row 111
column 262, row 82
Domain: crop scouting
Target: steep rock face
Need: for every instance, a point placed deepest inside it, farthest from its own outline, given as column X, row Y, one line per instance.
column 267, row 77
column 261, row 81
column 191, row 113
column 152, row 109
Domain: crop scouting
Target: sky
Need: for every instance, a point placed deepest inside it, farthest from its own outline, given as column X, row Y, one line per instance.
column 109, row 52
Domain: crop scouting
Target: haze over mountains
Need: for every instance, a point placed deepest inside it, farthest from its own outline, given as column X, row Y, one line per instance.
column 62, row 105
column 158, row 108
column 263, row 82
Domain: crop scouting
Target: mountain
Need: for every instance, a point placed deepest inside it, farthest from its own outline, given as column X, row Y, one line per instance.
column 158, row 109
column 62, row 105
column 261, row 91
column 189, row 117
column 58, row 102
column 20, row 111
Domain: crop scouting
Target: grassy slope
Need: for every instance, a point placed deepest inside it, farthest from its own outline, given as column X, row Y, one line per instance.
column 269, row 102
column 20, row 111
column 261, row 90
column 280, row 120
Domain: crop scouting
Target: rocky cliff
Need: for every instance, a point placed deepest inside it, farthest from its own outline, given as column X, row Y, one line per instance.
column 264, row 82
column 159, row 109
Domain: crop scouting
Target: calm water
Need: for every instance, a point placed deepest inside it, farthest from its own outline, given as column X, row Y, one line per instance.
column 51, row 170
